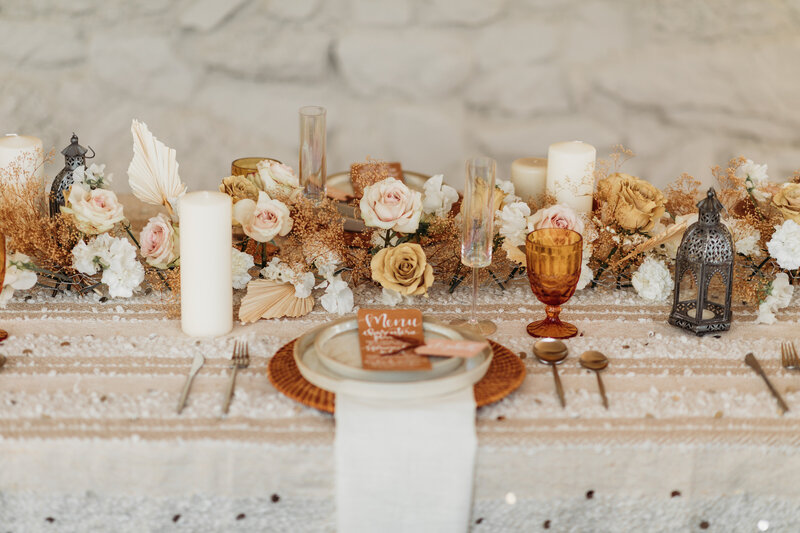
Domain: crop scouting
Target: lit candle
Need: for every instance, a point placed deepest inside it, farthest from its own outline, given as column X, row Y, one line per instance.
column 529, row 176
column 206, row 278
column 25, row 150
column 570, row 174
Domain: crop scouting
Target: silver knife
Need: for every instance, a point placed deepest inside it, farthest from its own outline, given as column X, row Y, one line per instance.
column 752, row 362
column 197, row 363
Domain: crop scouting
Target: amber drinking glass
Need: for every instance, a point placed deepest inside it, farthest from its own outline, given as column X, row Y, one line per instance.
column 554, row 267
column 248, row 165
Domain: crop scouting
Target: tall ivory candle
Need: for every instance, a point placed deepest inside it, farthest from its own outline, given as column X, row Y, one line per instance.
column 529, row 176
column 570, row 174
column 206, row 278
column 30, row 149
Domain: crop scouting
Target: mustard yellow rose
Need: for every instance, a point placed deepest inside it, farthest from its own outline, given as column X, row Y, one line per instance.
column 404, row 269
column 636, row 204
column 787, row 201
column 241, row 187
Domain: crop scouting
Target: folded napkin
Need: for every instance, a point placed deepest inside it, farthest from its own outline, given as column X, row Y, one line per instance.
column 405, row 466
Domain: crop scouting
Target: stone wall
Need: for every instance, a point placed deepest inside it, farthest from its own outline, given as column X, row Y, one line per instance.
column 684, row 83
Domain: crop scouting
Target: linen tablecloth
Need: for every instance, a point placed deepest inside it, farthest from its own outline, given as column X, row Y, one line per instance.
column 90, row 438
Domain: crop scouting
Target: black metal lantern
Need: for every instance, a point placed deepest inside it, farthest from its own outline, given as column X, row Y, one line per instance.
column 706, row 251
column 74, row 157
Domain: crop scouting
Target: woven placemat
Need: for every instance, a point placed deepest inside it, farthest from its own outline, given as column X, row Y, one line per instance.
column 505, row 374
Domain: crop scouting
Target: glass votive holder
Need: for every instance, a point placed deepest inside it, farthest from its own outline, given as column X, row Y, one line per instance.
column 245, row 166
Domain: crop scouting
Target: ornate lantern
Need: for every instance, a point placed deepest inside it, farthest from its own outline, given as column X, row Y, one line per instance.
column 706, row 251
column 74, row 157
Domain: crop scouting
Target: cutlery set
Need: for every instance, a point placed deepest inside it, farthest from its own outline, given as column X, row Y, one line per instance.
column 553, row 352
column 239, row 360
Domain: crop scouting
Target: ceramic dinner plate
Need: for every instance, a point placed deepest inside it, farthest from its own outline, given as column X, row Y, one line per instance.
column 337, row 348
column 466, row 374
column 341, row 181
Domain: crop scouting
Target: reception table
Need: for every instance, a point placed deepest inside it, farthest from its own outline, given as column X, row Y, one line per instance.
column 90, row 440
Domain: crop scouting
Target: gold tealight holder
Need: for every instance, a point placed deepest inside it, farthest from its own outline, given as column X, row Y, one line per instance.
column 245, row 166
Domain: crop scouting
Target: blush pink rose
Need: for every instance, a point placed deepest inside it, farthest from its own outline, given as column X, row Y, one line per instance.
column 159, row 241
column 557, row 216
column 264, row 220
column 390, row 204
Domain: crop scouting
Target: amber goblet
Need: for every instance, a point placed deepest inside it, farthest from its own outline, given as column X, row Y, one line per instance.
column 554, row 267
column 248, row 165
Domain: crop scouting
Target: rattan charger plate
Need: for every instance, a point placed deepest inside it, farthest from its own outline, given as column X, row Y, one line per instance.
column 505, row 374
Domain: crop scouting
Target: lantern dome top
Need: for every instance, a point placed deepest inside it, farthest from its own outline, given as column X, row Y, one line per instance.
column 708, row 240
column 74, row 149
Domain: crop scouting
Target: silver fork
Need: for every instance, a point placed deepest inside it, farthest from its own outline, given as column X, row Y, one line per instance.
column 789, row 359
column 241, row 358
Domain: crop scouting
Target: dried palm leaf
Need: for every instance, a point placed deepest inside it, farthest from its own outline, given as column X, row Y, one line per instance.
column 661, row 238
column 272, row 299
column 153, row 172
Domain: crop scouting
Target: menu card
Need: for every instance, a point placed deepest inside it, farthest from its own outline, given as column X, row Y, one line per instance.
column 388, row 337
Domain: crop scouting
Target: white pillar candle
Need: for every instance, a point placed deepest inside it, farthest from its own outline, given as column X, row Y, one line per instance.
column 30, row 149
column 529, row 176
column 570, row 174
column 206, row 278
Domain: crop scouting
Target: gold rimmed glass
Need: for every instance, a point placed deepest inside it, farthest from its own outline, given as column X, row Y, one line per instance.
column 554, row 267
column 477, row 210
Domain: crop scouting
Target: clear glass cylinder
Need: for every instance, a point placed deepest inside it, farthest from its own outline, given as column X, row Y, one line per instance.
column 478, row 212
column 312, row 151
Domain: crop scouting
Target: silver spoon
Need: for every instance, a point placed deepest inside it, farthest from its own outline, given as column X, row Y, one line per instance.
column 552, row 352
column 596, row 361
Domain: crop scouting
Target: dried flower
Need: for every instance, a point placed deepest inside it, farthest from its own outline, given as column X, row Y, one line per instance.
column 754, row 175
column 404, row 269
column 439, row 197
column 241, row 187
column 787, row 201
column 19, row 276
column 390, row 204
column 634, row 204
column 513, row 223
column 338, row 297
column 93, row 210
column 241, row 263
column 779, row 295
column 264, row 220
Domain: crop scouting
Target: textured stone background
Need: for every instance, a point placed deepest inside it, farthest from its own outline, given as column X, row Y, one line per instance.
column 684, row 83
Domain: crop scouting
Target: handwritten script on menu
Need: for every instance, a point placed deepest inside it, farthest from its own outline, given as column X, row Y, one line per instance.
column 391, row 331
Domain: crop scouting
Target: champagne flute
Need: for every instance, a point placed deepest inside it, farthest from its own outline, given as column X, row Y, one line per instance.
column 477, row 237
column 312, row 151
column 554, row 267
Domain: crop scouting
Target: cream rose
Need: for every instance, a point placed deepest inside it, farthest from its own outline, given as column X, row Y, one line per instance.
column 241, row 187
column 94, row 211
column 159, row 241
column 263, row 220
column 403, row 269
column 636, row 204
column 556, row 216
column 278, row 179
column 787, row 201
column 390, row 204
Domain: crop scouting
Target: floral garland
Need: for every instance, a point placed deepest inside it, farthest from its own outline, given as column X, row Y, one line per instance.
column 410, row 238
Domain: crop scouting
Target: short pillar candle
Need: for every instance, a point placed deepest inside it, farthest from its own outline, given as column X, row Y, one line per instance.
column 570, row 174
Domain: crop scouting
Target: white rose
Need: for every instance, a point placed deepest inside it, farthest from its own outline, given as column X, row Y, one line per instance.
column 159, row 241
column 652, row 280
column 439, row 198
column 557, row 216
column 241, row 263
column 513, row 222
column 278, row 179
column 265, row 220
column 94, row 211
column 785, row 245
column 18, row 276
column 390, row 204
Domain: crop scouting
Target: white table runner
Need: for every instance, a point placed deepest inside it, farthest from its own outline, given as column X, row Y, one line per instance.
column 405, row 466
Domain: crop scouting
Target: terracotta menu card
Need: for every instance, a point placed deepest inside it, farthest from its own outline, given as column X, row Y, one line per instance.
column 388, row 337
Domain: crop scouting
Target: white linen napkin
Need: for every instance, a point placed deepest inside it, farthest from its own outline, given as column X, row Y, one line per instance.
column 405, row 466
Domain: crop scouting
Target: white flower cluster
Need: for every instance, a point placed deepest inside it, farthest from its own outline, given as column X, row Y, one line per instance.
column 508, row 189
column 91, row 178
column 652, row 280
column 439, row 197
column 778, row 297
column 338, row 297
column 19, row 276
column 745, row 237
column 785, row 245
column 122, row 272
column 241, row 263
column 513, row 222
column 754, row 174
column 276, row 270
